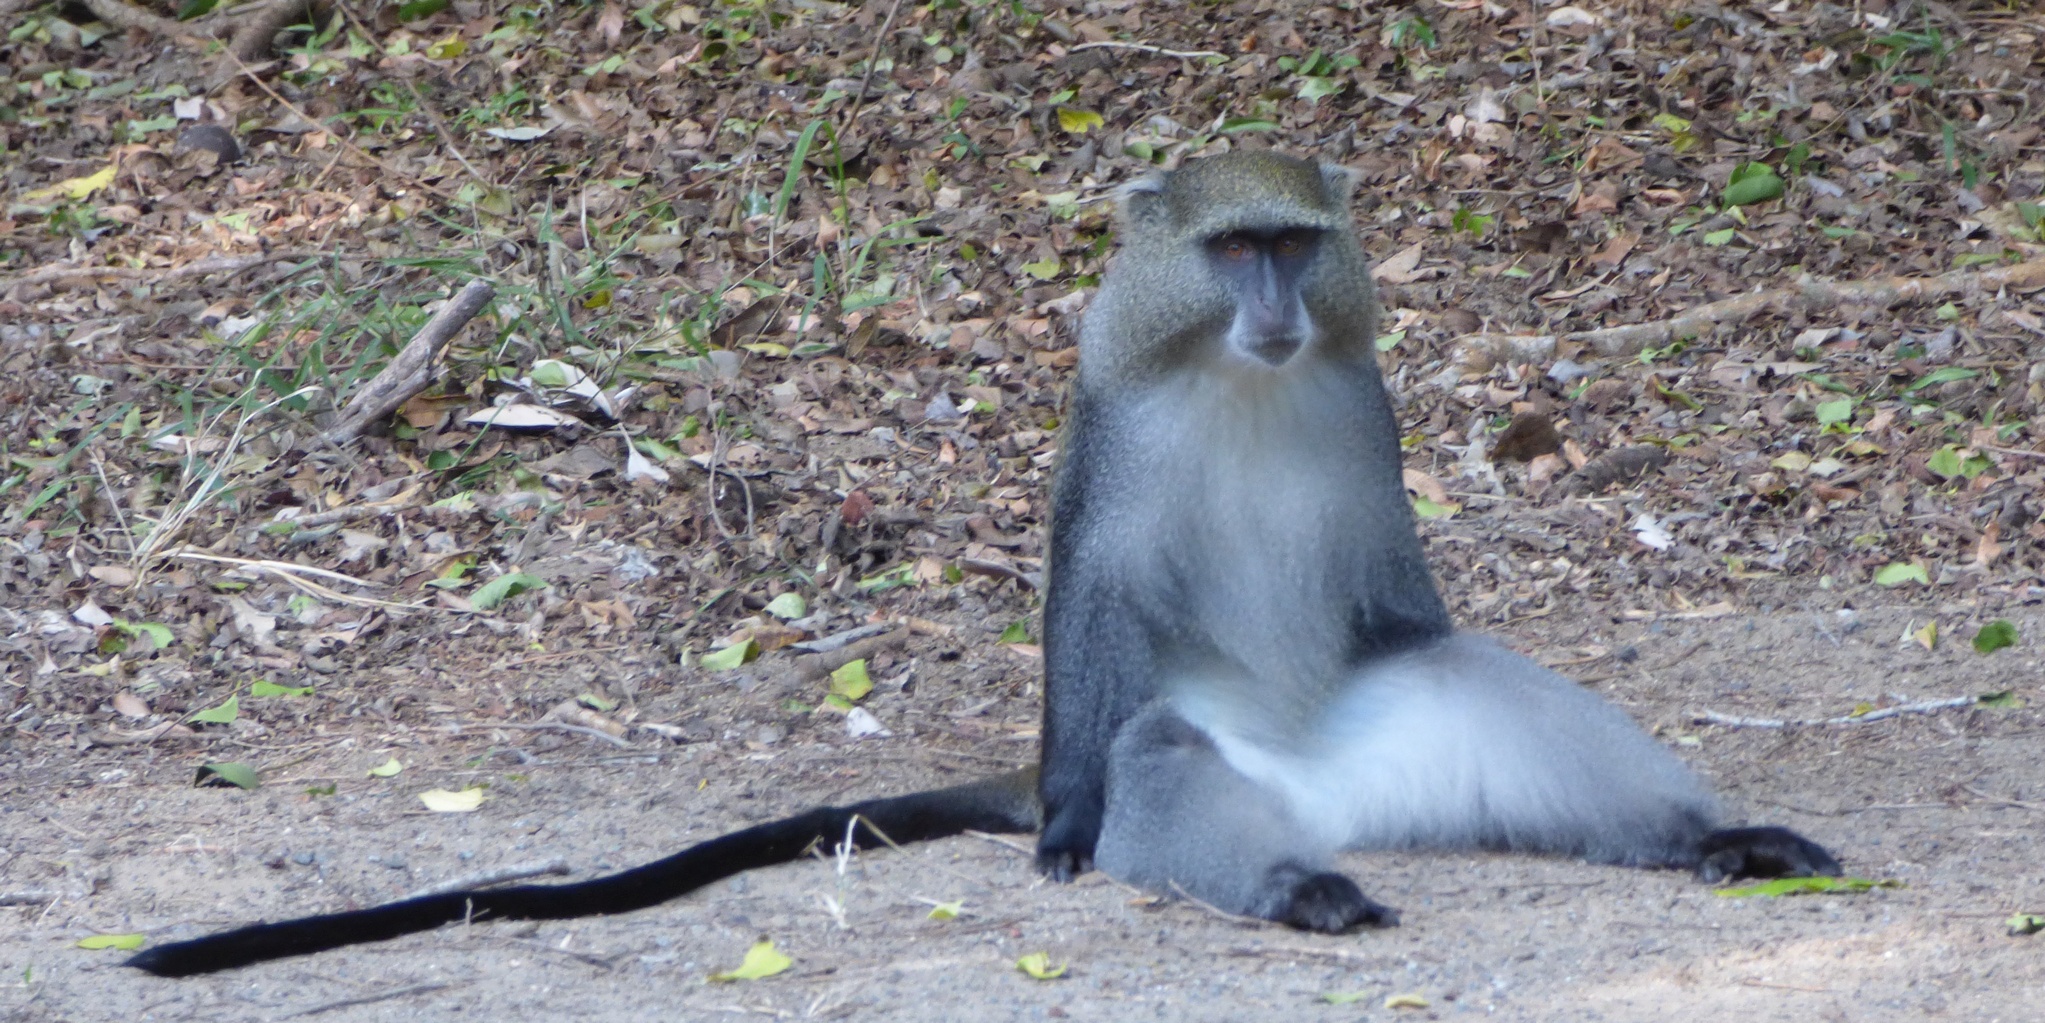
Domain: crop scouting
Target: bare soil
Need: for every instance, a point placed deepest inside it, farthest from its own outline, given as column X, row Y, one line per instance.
column 1944, row 803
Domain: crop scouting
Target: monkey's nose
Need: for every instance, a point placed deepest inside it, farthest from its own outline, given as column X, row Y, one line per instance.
column 1275, row 350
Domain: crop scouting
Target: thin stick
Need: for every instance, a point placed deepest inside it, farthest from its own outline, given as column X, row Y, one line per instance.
column 157, row 274
column 1146, row 48
column 486, row 878
column 1808, row 293
column 547, row 726
column 880, row 39
column 1927, row 707
column 403, row 992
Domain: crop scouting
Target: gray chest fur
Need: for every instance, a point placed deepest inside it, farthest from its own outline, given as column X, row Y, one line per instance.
column 1257, row 504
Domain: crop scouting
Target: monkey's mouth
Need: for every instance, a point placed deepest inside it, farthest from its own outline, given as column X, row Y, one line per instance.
column 1276, row 350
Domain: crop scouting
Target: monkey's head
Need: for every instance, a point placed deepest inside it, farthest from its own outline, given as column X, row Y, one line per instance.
column 1244, row 261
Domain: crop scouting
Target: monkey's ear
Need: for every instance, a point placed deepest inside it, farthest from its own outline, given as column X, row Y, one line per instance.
column 1134, row 200
column 1341, row 181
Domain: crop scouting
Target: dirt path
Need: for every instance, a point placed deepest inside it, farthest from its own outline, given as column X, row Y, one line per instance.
column 1945, row 803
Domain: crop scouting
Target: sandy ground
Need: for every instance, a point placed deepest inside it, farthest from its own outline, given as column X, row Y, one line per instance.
column 1947, row 804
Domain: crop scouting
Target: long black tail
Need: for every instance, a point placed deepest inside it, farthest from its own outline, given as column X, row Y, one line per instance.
column 1006, row 803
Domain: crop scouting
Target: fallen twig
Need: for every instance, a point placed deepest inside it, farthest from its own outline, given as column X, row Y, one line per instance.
column 413, row 369
column 382, row 996
column 810, row 667
column 546, row 726
column 155, row 274
column 1809, row 293
column 486, row 878
column 1927, row 707
column 1146, row 48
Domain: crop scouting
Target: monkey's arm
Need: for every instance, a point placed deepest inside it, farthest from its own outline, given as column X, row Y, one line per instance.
column 1003, row 803
column 1099, row 658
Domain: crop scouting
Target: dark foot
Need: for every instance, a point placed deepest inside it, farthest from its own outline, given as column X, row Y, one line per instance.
column 1763, row 852
column 1066, row 848
column 1322, row 901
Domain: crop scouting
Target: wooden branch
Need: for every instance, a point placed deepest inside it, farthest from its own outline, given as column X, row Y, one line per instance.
column 1810, row 293
column 198, row 267
column 810, row 667
column 251, row 40
column 413, row 369
column 128, row 16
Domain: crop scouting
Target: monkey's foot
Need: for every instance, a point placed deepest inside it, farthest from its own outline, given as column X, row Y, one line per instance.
column 1763, row 852
column 1321, row 901
column 1065, row 849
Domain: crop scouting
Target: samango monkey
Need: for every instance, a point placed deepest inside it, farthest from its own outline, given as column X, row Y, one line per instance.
column 1248, row 665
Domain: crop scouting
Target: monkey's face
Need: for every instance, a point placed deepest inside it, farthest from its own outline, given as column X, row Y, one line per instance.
column 1264, row 273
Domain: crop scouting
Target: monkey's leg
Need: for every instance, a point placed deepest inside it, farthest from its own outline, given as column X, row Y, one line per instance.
column 1180, row 818
column 1467, row 744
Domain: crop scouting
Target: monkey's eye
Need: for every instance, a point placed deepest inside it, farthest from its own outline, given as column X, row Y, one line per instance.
column 1289, row 245
column 1235, row 249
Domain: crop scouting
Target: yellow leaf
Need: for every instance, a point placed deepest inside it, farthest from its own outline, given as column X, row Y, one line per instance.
column 387, row 769
column 124, row 942
column 1926, row 637
column 443, row 801
column 768, row 349
column 851, row 680
column 74, row 188
column 1076, row 121
column 1405, row 1002
column 1038, row 965
column 762, row 960
column 947, row 910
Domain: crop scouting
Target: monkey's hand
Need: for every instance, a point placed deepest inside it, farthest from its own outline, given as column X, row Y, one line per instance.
column 1762, row 852
column 1066, row 848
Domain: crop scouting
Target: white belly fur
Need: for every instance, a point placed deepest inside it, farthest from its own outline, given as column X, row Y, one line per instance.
column 1465, row 744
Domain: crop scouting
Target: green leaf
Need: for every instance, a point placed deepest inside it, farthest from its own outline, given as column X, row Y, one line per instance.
column 1994, row 636
column 762, row 960
column 1805, row 886
column 237, row 774
column 1387, row 342
column 124, row 942
column 1751, row 183
column 2019, row 925
column 1671, row 123
column 261, row 687
column 1717, row 239
column 850, row 682
column 1018, row 631
column 1043, row 269
column 159, row 636
column 1344, row 997
column 1897, row 573
column 444, row 801
column 1315, row 89
column 1999, row 698
column 1428, row 509
column 788, row 606
column 1830, row 412
column 1944, row 375
column 1038, row 966
column 505, row 586
column 1075, row 121
column 1237, row 125
column 417, row 9
column 387, row 769
column 881, row 582
column 731, row 657
column 947, row 910
column 221, row 713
